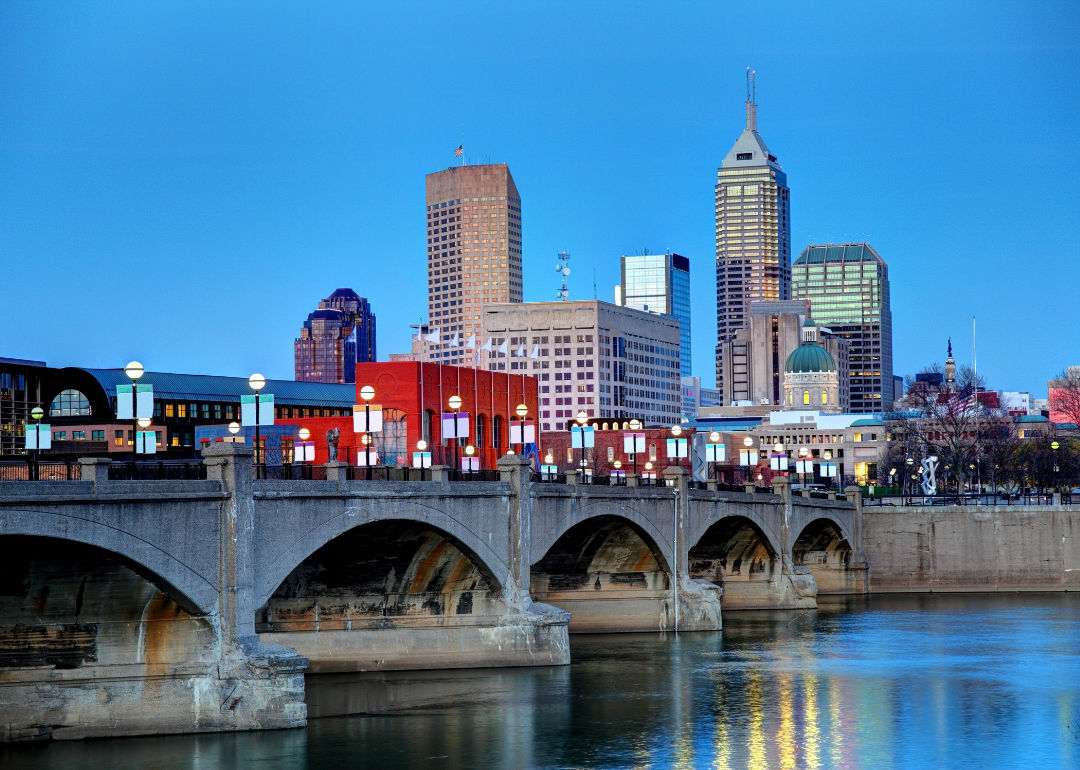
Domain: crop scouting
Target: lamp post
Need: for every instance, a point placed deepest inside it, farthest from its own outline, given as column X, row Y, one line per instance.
column 257, row 382
column 522, row 410
column 469, row 453
column 421, row 445
column 37, row 413
column 748, row 442
column 582, row 418
column 234, row 428
column 304, row 434
column 648, row 465
column 635, row 425
column 676, row 431
column 827, row 456
column 804, row 454
column 1054, row 446
column 455, row 404
column 367, row 393
column 909, row 463
column 714, row 437
column 134, row 370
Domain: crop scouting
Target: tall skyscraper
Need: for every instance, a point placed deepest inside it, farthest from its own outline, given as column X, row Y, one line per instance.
column 847, row 285
column 753, row 231
column 474, row 250
column 660, row 283
column 333, row 338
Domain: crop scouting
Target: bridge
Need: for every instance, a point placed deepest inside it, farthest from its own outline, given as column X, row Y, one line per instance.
column 143, row 607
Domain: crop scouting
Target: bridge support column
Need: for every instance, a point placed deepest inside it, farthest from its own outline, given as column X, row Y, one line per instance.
column 798, row 589
column 859, row 562
column 698, row 600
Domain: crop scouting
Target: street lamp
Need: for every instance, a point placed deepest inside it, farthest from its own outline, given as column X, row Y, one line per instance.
column 582, row 418
column 676, row 431
column 714, row 439
column 37, row 413
column 134, row 370
column 257, row 382
column 827, row 456
column 304, row 435
column 455, row 404
column 1055, row 446
column 909, row 463
column 469, row 453
column 367, row 393
column 522, row 410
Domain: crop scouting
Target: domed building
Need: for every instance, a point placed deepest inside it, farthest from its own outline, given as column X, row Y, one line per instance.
column 811, row 380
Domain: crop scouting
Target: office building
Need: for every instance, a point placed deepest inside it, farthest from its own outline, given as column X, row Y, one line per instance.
column 591, row 356
column 754, row 359
column 695, row 397
column 847, row 285
column 660, row 283
column 334, row 338
column 20, row 392
column 473, row 247
column 753, row 233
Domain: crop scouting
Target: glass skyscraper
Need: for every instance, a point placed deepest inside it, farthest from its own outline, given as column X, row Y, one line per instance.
column 753, row 233
column 847, row 285
column 660, row 283
column 334, row 338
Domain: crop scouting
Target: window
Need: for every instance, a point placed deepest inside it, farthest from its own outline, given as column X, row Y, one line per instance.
column 78, row 435
column 181, row 411
column 206, row 411
column 157, row 409
column 824, row 397
column 217, row 411
column 118, row 437
column 97, row 435
column 69, row 403
column 170, row 410
column 59, row 435
column 228, row 412
column 806, row 397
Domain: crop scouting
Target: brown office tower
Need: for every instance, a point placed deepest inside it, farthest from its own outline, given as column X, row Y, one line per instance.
column 474, row 251
column 753, row 232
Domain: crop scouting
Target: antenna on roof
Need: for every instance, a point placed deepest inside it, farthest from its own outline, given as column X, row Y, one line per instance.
column 751, row 100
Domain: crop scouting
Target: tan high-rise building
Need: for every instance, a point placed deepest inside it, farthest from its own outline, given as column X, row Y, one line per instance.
column 753, row 233
column 474, row 252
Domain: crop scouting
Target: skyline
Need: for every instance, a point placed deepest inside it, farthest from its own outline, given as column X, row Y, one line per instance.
column 231, row 174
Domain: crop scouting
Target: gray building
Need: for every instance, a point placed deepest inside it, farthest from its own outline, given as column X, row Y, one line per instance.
column 695, row 397
column 753, row 233
column 847, row 285
column 660, row 283
column 591, row 356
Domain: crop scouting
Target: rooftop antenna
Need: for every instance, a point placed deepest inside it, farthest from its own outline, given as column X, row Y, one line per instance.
column 561, row 268
column 594, row 283
column 751, row 100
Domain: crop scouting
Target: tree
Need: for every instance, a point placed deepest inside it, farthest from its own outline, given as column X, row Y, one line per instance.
column 1065, row 396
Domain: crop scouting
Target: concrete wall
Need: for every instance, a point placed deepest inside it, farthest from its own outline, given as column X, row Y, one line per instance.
column 1006, row 548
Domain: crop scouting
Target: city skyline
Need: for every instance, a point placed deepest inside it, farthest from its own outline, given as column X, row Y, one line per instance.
column 101, row 178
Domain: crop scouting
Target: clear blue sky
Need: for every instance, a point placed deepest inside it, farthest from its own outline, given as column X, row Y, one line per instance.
column 181, row 182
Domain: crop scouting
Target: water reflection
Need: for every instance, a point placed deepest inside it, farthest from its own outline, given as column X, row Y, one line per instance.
column 922, row 681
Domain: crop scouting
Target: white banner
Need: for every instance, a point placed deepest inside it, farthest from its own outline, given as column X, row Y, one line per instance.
column 778, row 462
column 530, row 432
column 362, row 457
column 123, row 403
column 582, row 437
column 748, row 457
column 676, row 448
column 266, row 410
column 470, row 464
column 715, row 453
column 633, row 443
column 421, row 459
column 359, row 418
column 146, row 442
column 462, row 425
column 39, row 437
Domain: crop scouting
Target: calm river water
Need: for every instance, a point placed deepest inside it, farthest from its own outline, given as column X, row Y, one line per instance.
column 890, row 682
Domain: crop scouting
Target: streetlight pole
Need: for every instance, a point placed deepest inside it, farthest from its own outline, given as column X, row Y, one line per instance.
column 455, row 404
column 367, row 393
column 635, row 425
column 582, row 418
column 1054, row 446
column 714, row 437
column 134, row 370
column 257, row 382
column 37, row 413
column 676, row 431
column 522, row 410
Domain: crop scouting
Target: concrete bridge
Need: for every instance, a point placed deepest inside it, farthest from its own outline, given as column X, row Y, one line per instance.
column 180, row 606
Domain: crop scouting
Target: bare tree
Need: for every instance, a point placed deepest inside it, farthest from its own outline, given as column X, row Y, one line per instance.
column 1065, row 395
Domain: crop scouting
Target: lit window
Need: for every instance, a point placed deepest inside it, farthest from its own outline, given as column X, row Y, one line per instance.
column 824, row 397
column 806, row 397
column 69, row 403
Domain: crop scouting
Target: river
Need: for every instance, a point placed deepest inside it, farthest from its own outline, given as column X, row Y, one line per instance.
column 914, row 681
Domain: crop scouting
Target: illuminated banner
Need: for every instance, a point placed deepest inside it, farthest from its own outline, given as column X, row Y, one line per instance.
column 582, row 437
column 448, row 429
column 359, row 419
column 145, row 398
column 530, row 432
column 633, row 443
column 715, row 453
column 421, row 459
column 247, row 409
column 146, row 442
column 676, row 448
column 39, row 437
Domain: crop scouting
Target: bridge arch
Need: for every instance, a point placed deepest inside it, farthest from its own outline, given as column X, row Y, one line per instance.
column 646, row 527
column 196, row 593
column 378, row 572
column 735, row 550
column 825, row 548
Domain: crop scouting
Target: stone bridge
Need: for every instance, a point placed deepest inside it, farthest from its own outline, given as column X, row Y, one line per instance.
column 181, row 606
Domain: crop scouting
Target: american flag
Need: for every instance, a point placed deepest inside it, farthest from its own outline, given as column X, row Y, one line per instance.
column 964, row 401
column 460, row 150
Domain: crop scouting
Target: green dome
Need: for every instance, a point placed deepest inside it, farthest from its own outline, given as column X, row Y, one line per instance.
column 810, row 357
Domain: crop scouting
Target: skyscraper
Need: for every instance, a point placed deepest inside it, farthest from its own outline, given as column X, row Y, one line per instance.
column 333, row 338
column 753, row 231
column 473, row 250
column 660, row 283
column 847, row 285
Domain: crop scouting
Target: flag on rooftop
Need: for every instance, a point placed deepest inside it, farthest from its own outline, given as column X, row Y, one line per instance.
column 459, row 150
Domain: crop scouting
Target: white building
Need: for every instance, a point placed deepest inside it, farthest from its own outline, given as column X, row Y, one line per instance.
column 590, row 356
column 1019, row 402
column 695, row 397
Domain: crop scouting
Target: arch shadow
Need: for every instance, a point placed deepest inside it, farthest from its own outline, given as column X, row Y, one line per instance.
column 735, row 546
column 275, row 570
column 193, row 592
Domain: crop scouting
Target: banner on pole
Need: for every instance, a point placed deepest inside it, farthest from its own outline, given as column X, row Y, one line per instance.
column 421, row 459
column 715, row 453
column 530, row 432
column 448, row 430
column 266, row 410
column 359, row 418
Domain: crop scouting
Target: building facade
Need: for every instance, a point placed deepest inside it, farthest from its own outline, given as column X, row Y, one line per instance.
column 753, row 233
column 473, row 248
column 695, row 397
column 847, row 285
column 340, row 333
column 660, row 283
column 590, row 356
column 754, row 360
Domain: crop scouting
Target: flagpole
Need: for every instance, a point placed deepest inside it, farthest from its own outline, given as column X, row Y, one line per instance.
column 975, row 371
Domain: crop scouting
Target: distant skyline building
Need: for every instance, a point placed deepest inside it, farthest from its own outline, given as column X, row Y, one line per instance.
column 753, row 231
column 334, row 338
column 590, row 356
column 473, row 250
column 660, row 283
column 847, row 285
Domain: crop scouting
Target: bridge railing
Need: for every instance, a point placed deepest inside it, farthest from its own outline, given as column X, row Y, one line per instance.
column 159, row 471
column 885, row 501
column 39, row 471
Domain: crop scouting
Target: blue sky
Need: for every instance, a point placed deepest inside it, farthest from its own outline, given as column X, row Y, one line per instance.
column 182, row 182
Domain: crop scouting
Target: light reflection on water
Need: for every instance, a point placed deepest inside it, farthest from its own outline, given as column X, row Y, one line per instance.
column 902, row 681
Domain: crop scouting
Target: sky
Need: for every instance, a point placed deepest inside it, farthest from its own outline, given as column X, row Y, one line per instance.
column 181, row 183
